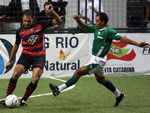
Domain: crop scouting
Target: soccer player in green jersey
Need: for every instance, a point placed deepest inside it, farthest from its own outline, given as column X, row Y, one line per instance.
column 103, row 36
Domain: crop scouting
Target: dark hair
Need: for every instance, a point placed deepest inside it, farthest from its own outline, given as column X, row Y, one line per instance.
column 47, row 3
column 103, row 17
column 28, row 13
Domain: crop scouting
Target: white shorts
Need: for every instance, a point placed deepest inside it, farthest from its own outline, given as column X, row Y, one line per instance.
column 96, row 65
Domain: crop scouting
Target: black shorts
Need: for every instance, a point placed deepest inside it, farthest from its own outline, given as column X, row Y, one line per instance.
column 34, row 61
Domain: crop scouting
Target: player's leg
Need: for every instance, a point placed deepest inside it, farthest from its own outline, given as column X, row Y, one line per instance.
column 19, row 69
column 37, row 65
column 23, row 64
column 97, row 69
column 37, row 72
column 78, row 73
column 110, row 86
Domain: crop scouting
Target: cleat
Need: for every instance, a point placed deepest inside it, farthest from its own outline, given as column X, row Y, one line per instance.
column 23, row 103
column 2, row 103
column 54, row 89
column 119, row 99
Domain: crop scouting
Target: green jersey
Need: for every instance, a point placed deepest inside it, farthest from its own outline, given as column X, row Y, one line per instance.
column 102, row 39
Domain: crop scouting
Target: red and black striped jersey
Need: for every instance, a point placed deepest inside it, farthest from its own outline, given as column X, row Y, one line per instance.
column 33, row 38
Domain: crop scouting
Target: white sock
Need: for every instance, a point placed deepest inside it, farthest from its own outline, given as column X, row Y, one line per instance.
column 117, row 92
column 62, row 87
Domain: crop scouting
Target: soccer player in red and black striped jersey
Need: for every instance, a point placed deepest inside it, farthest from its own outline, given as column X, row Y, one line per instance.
column 32, row 36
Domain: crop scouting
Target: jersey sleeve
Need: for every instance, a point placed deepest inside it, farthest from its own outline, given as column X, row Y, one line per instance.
column 46, row 23
column 113, row 35
column 18, row 38
column 91, row 28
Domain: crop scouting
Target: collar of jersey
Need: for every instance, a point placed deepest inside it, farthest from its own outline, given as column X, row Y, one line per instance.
column 102, row 29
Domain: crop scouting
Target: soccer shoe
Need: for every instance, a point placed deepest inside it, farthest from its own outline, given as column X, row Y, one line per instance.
column 2, row 103
column 23, row 103
column 119, row 99
column 54, row 89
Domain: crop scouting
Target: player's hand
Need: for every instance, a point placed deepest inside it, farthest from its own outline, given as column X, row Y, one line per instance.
column 144, row 44
column 7, row 65
column 145, row 21
column 76, row 17
column 50, row 8
column 88, row 19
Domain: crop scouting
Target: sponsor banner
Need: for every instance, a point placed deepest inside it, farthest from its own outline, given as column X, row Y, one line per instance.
column 128, row 59
column 68, row 52
column 64, row 54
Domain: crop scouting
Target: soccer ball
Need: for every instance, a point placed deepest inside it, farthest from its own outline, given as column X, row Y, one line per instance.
column 11, row 101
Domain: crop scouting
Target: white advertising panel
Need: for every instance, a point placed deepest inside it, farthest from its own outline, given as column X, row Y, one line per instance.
column 128, row 59
column 67, row 52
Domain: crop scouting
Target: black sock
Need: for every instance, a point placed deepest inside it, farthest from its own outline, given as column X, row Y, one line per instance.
column 11, row 86
column 29, row 90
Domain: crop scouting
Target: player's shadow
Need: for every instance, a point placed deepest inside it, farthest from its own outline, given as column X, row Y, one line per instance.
column 4, row 107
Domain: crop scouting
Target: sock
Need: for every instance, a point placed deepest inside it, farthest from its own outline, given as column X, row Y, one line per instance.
column 117, row 93
column 29, row 90
column 109, row 85
column 71, row 81
column 11, row 86
column 62, row 87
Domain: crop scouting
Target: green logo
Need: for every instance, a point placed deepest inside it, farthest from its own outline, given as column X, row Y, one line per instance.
column 117, row 51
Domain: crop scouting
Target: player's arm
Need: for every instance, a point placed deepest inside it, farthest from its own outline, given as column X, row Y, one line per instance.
column 85, row 18
column 14, row 50
column 53, row 27
column 80, row 22
column 147, row 15
column 12, row 55
column 97, row 12
column 132, row 42
column 57, row 19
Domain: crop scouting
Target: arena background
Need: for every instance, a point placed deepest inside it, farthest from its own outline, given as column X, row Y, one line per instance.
column 116, row 10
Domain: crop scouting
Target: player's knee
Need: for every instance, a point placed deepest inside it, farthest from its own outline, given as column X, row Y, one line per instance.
column 101, row 80
column 16, row 75
column 78, row 73
column 35, row 79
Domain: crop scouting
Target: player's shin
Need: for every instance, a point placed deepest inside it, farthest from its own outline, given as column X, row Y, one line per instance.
column 11, row 86
column 71, row 81
column 29, row 90
column 109, row 85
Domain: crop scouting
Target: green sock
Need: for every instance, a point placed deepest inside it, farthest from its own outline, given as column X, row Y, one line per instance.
column 71, row 81
column 109, row 85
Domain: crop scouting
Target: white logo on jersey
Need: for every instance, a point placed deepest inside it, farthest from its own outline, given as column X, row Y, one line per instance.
column 117, row 34
column 99, row 33
column 33, row 39
column 100, row 50
column 100, row 37
column 31, row 29
column 35, row 31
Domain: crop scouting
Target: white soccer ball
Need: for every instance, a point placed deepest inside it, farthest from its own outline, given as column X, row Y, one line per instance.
column 11, row 101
